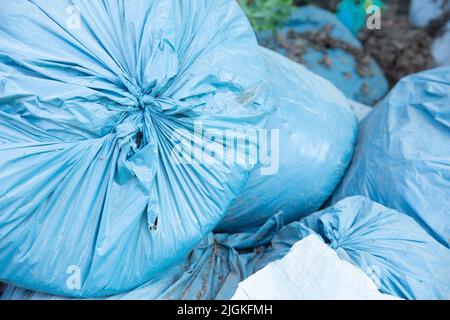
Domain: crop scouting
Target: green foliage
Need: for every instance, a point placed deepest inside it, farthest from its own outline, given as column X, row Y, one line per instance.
column 267, row 14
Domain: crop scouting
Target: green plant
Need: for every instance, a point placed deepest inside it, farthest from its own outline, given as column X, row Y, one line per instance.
column 267, row 14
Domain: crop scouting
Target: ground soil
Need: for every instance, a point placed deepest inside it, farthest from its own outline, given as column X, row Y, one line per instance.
column 399, row 48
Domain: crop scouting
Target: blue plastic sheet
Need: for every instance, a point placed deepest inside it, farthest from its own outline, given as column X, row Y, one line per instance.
column 91, row 93
column 402, row 159
column 341, row 68
column 317, row 133
column 389, row 246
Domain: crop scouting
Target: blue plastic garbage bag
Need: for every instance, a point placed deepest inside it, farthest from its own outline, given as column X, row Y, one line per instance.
column 213, row 269
column 397, row 253
column 363, row 82
column 316, row 132
column 402, row 159
column 400, row 257
column 95, row 96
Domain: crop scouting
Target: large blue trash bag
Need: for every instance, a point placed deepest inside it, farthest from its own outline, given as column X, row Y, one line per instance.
column 397, row 253
column 399, row 256
column 93, row 200
column 213, row 270
column 362, row 81
column 317, row 132
column 402, row 159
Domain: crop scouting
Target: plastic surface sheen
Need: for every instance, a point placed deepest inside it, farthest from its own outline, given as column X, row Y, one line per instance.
column 92, row 202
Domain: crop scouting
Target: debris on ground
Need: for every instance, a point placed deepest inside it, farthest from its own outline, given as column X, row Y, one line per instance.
column 317, row 39
column 399, row 48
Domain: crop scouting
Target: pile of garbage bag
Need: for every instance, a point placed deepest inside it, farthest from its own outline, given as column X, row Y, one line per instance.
column 400, row 258
column 149, row 152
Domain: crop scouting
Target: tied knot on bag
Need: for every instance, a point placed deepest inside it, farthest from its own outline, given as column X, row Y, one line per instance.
column 140, row 116
column 132, row 120
column 147, row 101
